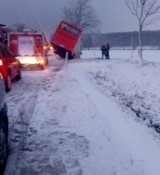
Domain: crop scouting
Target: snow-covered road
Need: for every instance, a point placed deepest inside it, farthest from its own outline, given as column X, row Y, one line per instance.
column 62, row 123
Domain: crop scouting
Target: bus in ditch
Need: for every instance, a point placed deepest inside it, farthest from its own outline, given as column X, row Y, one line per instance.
column 67, row 38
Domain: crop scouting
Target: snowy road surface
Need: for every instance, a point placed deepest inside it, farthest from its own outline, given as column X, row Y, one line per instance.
column 63, row 123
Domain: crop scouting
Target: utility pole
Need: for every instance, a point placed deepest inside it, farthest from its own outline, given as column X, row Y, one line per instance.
column 132, row 46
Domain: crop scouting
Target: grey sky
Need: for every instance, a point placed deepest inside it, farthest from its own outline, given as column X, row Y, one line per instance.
column 45, row 14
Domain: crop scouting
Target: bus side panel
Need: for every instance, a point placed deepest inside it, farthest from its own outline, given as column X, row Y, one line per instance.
column 77, row 49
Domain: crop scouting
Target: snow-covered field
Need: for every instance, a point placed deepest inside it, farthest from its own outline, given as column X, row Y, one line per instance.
column 91, row 117
column 149, row 55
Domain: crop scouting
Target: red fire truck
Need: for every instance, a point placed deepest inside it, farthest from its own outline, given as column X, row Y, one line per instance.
column 29, row 48
column 67, row 38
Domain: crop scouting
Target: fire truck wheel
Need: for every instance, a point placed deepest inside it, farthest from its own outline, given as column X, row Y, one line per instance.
column 8, row 83
column 42, row 66
column 46, row 60
column 19, row 75
column 3, row 147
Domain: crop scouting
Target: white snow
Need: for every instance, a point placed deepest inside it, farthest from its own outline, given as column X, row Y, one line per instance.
column 91, row 117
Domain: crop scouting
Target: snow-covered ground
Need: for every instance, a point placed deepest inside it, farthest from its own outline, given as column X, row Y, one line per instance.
column 91, row 117
column 132, row 55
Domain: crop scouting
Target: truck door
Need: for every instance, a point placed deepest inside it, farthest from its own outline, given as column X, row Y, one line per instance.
column 10, row 61
column 26, row 46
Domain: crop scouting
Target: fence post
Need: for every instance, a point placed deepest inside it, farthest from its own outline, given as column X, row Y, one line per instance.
column 66, row 59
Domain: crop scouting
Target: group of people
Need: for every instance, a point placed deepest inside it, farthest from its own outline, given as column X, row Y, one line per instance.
column 105, row 51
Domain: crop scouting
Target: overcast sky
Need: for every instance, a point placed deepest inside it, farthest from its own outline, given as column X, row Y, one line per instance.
column 45, row 14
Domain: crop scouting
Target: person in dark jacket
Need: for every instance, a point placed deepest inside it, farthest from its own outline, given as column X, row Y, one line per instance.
column 105, row 51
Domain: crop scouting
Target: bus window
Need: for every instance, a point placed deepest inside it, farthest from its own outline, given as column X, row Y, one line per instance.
column 69, row 29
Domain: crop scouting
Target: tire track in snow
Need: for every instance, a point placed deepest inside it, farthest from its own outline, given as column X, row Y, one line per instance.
column 21, row 104
column 50, row 147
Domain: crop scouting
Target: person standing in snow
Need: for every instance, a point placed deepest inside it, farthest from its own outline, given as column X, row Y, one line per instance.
column 105, row 50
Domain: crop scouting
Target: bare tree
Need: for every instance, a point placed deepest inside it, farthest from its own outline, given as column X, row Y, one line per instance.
column 146, row 11
column 81, row 13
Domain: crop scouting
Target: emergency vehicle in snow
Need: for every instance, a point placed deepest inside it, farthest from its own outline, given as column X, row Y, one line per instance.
column 29, row 48
column 67, row 38
column 9, row 66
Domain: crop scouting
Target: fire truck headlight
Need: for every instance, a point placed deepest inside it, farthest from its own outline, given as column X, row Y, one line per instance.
column 50, row 47
column 1, row 62
column 41, row 61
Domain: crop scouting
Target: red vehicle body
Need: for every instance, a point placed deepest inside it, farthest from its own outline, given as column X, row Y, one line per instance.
column 67, row 38
column 29, row 48
column 9, row 66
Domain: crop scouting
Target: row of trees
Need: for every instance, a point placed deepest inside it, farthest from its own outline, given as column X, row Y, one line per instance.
column 151, row 39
